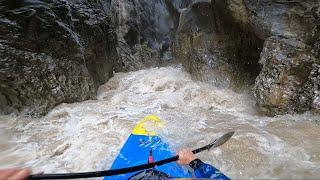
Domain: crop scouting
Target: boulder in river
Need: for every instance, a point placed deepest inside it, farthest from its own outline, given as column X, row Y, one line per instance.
column 271, row 45
column 289, row 80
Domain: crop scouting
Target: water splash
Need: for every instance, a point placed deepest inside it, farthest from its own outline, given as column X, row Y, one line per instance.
column 88, row 135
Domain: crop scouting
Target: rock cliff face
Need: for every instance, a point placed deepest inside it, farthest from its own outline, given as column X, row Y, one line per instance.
column 214, row 47
column 56, row 51
column 288, row 80
column 145, row 29
column 290, row 57
column 271, row 44
column 52, row 52
column 197, row 44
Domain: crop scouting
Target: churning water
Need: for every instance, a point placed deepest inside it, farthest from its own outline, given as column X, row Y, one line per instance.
column 87, row 136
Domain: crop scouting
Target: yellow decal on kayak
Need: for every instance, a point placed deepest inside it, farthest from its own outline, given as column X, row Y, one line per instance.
column 148, row 126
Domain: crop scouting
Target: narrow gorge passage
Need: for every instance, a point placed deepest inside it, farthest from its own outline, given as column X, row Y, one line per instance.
column 87, row 136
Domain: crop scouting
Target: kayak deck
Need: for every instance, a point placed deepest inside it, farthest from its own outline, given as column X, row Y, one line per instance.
column 136, row 150
column 138, row 155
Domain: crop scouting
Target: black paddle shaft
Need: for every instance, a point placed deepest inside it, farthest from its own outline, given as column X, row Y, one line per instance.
column 112, row 172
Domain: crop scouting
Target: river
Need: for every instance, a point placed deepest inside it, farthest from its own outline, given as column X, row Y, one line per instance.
column 87, row 136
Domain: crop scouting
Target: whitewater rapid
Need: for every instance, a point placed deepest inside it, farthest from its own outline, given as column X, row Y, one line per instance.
column 88, row 135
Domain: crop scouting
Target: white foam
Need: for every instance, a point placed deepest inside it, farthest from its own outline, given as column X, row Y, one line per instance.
column 87, row 136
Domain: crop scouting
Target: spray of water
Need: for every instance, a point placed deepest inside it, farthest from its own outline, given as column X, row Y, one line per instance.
column 88, row 135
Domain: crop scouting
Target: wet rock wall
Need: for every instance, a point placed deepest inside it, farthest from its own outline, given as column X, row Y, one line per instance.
column 52, row 52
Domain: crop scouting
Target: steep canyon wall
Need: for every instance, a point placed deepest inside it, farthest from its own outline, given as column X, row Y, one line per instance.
column 273, row 45
column 56, row 51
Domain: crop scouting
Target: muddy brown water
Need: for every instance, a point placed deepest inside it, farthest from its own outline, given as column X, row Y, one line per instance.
column 87, row 136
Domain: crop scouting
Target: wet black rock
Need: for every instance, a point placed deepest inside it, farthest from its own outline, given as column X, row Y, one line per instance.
column 290, row 59
column 55, row 51
column 273, row 45
column 145, row 29
column 289, row 80
column 214, row 47
column 52, row 52
column 197, row 46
